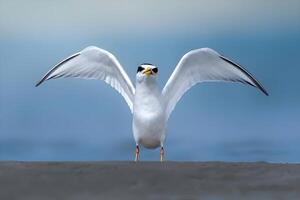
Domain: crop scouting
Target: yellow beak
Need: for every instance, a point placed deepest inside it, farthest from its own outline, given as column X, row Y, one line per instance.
column 147, row 71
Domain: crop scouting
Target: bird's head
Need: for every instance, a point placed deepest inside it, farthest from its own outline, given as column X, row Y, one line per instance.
column 146, row 72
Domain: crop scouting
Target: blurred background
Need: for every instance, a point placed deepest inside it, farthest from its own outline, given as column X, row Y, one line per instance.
column 72, row 119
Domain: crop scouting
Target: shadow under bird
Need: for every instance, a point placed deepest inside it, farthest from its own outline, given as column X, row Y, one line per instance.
column 151, row 107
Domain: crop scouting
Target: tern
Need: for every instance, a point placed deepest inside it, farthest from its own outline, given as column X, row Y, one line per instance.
column 150, row 106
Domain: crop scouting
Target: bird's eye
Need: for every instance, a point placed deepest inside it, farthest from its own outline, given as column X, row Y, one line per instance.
column 140, row 69
column 155, row 70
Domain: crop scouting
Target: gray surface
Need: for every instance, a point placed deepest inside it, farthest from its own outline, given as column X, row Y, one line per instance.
column 148, row 180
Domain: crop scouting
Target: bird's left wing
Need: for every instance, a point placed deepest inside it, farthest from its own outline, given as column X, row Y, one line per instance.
column 94, row 63
column 202, row 65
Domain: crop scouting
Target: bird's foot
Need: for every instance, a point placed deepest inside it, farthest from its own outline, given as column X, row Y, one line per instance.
column 137, row 151
column 162, row 153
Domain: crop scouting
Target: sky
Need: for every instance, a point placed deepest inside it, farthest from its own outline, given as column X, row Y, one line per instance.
column 71, row 119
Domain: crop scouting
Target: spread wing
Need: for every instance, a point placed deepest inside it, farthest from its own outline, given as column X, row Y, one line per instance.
column 94, row 63
column 202, row 65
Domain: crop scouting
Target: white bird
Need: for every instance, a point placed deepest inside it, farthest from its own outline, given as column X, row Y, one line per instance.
column 150, row 106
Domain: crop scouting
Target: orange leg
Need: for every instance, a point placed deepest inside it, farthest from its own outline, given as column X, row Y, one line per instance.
column 137, row 151
column 162, row 153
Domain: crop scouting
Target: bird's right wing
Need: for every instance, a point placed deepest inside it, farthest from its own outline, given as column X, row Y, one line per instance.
column 202, row 65
column 94, row 63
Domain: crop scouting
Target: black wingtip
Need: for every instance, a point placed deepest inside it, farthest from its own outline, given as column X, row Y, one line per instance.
column 257, row 84
column 36, row 85
column 260, row 87
column 46, row 77
column 39, row 83
column 265, row 92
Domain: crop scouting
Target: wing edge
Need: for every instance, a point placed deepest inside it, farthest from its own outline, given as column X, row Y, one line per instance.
column 55, row 68
column 248, row 74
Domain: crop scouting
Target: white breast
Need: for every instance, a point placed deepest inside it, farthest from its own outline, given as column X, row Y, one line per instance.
column 148, row 115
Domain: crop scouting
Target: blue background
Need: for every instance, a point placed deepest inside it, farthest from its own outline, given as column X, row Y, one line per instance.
column 71, row 119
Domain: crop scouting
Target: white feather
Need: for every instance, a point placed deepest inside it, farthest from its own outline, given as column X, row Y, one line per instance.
column 202, row 65
column 95, row 63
